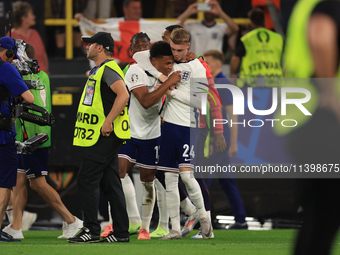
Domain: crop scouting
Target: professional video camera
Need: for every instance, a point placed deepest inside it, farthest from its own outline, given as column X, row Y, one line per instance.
column 18, row 109
column 28, row 112
column 26, row 66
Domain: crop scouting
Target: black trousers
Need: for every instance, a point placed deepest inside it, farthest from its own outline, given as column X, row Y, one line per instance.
column 317, row 142
column 103, row 174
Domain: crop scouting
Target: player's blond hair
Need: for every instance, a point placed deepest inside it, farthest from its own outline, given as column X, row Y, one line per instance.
column 180, row 36
column 215, row 54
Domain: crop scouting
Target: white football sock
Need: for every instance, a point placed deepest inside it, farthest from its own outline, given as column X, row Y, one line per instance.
column 161, row 203
column 9, row 213
column 194, row 192
column 110, row 216
column 188, row 207
column 130, row 198
column 148, row 202
column 209, row 215
column 172, row 199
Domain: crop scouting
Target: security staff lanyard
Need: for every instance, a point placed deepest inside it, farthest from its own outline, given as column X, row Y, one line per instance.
column 94, row 69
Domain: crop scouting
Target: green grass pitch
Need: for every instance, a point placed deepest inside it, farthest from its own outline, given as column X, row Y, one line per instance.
column 231, row 242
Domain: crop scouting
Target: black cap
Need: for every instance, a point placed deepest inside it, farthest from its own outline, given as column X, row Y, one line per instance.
column 101, row 38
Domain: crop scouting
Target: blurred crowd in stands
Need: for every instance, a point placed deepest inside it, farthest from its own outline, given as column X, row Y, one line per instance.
column 29, row 16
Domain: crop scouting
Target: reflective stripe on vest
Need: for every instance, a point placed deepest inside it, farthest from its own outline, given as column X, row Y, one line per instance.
column 90, row 115
column 262, row 61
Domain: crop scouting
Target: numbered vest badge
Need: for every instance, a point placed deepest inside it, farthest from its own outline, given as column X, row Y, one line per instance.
column 89, row 93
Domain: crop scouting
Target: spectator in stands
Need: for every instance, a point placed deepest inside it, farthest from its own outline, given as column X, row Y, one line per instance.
column 268, row 22
column 207, row 34
column 132, row 10
column 102, row 6
column 23, row 19
column 58, row 7
column 181, row 5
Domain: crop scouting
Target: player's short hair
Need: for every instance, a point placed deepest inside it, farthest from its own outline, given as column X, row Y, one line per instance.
column 127, row 2
column 2, row 49
column 139, row 36
column 256, row 16
column 215, row 54
column 30, row 51
column 160, row 49
column 20, row 9
column 172, row 27
column 180, row 36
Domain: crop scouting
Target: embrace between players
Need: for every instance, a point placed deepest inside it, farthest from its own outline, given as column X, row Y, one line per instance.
column 171, row 151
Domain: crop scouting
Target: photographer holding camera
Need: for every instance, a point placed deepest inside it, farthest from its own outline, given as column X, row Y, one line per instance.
column 12, row 87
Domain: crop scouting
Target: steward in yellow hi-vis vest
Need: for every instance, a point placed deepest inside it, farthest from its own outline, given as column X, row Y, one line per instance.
column 260, row 55
column 102, row 125
column 90, row 115
column 263, row 57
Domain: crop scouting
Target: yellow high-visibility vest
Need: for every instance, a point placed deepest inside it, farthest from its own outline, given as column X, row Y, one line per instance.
column 262, row 59
column 90, row 115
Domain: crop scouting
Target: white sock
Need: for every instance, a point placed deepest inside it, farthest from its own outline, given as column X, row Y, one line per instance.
column 148, row 202
column 130, row 198
column 9, row 213
column 194, row 192
column 188, row 207
column 109, row 209
column 161, row 203
column 172, row 199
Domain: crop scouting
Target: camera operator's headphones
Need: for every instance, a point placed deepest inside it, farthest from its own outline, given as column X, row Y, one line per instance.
column 9, row 53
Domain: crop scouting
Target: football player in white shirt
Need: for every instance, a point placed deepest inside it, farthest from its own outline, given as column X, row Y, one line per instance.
column 145, row 103
column 139, row 42
column 179, row 137
column 207, row 34
column 181, row 125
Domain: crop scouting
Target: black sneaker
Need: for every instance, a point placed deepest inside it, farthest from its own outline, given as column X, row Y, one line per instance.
column 238, row 225
column 112, row 239
column 84, row 236
column 4, row 237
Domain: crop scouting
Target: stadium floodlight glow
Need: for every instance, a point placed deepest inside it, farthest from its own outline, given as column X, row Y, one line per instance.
column 226, row 221
column 224, row 217
column 253, row 224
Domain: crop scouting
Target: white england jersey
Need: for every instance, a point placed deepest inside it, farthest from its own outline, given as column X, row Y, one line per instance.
column 179, row 112
column 145, row 124
column 205, row 38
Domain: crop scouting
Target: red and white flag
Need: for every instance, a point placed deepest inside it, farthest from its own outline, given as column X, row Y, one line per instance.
column 122, row 32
